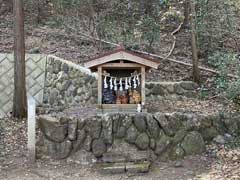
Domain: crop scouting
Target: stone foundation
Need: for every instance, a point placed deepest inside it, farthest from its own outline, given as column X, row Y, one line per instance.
column 141, row 136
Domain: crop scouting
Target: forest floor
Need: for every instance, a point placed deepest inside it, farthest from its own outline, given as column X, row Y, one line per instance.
column 218, row 163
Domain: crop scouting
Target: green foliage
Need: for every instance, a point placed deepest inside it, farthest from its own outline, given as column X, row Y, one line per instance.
column 227, row 63
column 150, row 30
column 203, row 92
column 233, row 90
column 133, row 23
column 214, row 23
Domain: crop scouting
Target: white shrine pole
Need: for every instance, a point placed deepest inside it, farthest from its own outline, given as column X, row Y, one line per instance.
column 31, row 129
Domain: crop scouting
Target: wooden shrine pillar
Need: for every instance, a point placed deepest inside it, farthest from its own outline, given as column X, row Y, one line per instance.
column 99, row 86
column 143, row 84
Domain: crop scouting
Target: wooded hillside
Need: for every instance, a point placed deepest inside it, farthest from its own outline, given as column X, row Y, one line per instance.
column 78, row 30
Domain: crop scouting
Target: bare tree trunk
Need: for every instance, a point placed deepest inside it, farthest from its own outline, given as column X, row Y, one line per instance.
column 196, row 76
column 19, row 99
column 186, row 13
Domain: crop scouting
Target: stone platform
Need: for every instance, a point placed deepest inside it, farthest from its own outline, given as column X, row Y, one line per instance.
column 138, row 137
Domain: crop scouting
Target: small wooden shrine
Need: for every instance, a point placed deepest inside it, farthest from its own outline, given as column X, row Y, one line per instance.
column 121, row 78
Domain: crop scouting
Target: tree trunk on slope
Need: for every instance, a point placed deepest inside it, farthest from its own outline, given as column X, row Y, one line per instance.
column 196, row 76
column 186, row 13
column 19, row 99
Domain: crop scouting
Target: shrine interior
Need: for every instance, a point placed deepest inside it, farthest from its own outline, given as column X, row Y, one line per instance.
column 121, row 86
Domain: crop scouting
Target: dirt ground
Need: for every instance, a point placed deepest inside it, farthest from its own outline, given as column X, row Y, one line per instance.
column 191, row 168
column 215, row 164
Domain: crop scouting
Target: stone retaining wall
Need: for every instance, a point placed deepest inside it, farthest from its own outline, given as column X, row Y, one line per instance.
column 141, row 136
column 168, row 90
column 68, row 84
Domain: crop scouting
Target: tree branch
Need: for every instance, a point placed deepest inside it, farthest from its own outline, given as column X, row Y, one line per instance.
column 155, row 55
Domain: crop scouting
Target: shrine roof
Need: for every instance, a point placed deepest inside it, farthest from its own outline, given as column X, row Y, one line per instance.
column 120, row 53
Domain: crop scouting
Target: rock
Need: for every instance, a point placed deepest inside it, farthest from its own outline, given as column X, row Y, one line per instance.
column 78, row 144
column 94, row 127
column 81, row 123
column 59, row 86
column 98, row 147
column 152, row 126
column 87, row 143
column 121, row 132
column 219, row 139
column 82, row 157
column 107, row 134
column 178, row 89
column 132, row 134
column 176, row 153
column 111, row 168
column 129, row 151
column 170, row 88
column 168, row 122
column 72, row 129
column 139, row 121
column 178, row 164
column 62, row 150
column 147, row 92
column 65, row 67
column 191, row 94
column 152, row 144
column 232, row 124
column 228, row 137
column 140, row 167
column 218, row 124
column 157, row 90
column 142, row 141
column 52, row 128
column 53, row 96
column 127, row 121
column 193, row 143
column 66, row 84
column 118, row 127
column 188, row 85
column 116, row 122
column 57, row 66
column 179, row 136
column 208, row 133
column 191, row 121
column 162, row 144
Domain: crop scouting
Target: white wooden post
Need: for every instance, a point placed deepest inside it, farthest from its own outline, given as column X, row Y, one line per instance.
column 31, row 129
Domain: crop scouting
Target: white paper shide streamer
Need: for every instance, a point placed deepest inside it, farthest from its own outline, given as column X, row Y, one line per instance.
column 129, row 82
column 121, row 85
column 134, row 82
column 126, row 84
column 111, row 83
column 115, row 84
column 105, row 82
column 138, row 81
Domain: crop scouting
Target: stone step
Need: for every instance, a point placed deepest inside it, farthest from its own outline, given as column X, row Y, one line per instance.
column 127, row 167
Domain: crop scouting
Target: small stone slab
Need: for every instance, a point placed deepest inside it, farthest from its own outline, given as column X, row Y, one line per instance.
column 134, row 168
column 129, row 167
column 112, row 168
